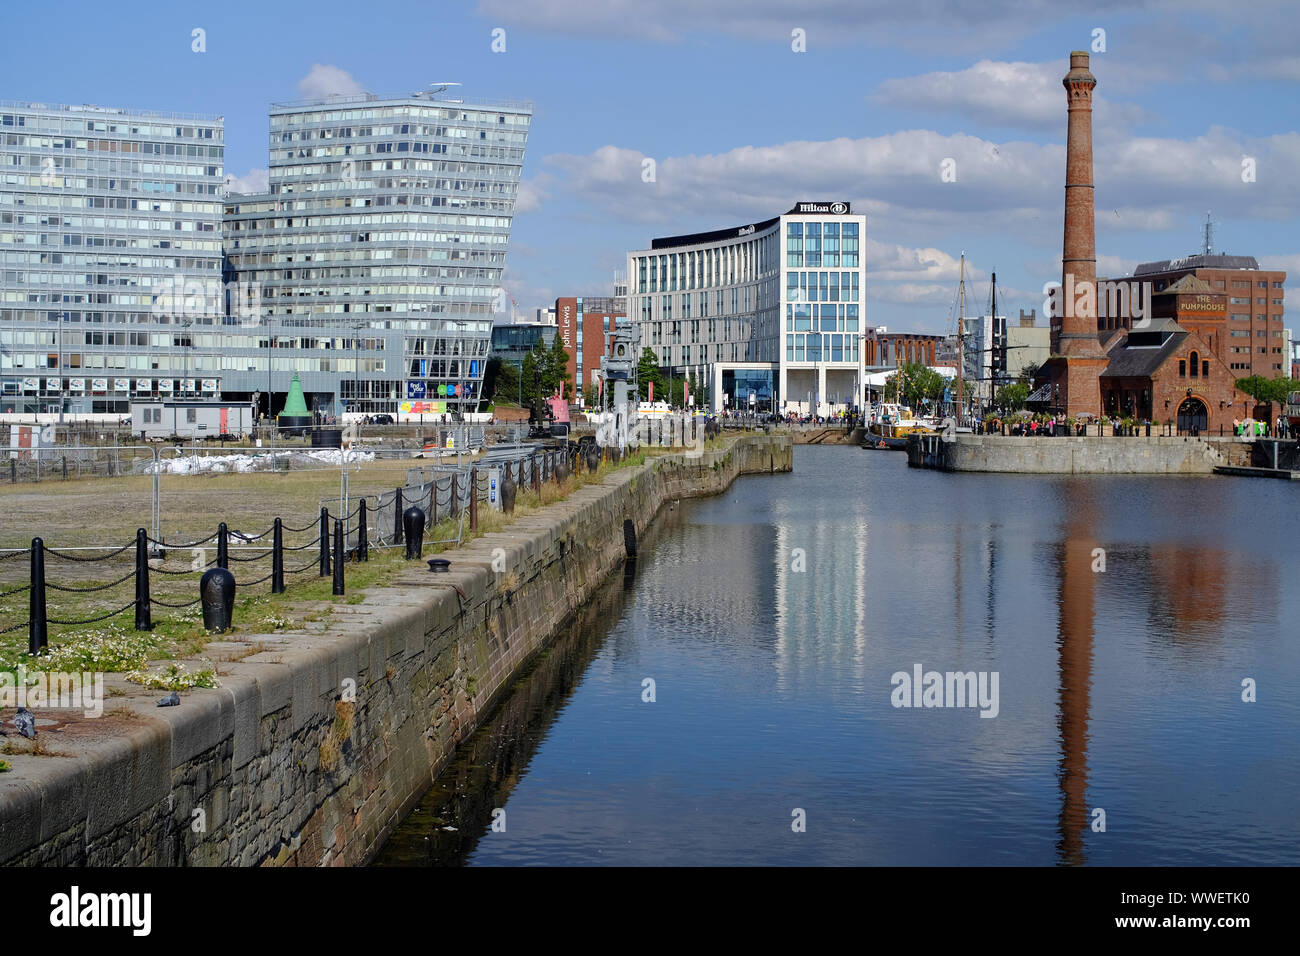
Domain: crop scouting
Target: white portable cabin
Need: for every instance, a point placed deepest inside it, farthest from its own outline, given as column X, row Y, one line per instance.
column 190, row 418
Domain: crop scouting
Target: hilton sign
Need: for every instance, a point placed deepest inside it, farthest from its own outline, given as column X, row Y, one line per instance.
column 820, row 208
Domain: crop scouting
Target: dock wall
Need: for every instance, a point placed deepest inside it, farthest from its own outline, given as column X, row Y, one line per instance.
column 316, row 746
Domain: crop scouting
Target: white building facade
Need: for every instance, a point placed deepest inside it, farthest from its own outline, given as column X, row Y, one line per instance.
column 768, row 316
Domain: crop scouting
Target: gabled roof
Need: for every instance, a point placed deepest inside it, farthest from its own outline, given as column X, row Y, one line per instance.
column 1137, row 361
column 1188, row 284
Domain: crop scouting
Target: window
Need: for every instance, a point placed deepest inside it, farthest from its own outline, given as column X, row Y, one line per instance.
column 191, row 416
column 1182, row 368
column 1205, row 369
column 1195, row 362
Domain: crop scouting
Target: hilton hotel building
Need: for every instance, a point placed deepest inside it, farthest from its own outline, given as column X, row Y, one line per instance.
column 768, row 314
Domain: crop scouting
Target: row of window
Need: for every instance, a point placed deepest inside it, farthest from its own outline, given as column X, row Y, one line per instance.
column 821, row 318
column 821, row 348
column 414, row 110
column 111, row 242
column 821, row 286
column 53, row 124
column 706, row 268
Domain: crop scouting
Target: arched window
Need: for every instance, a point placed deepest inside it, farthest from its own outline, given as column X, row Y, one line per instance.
column 1194, row 360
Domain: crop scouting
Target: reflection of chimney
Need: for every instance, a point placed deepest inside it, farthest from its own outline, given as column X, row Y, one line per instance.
column 1074, row 334
column 1075, row 595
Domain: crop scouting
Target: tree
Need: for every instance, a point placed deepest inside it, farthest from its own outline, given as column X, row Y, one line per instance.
column 556, row 368
column 501, row 381
column 1010, row 398
column 920, row 384
column 1265, row 390
column 531, row 377
column 1028, row 373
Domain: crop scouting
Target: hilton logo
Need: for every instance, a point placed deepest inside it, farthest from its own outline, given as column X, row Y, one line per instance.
column 834, row 208
column 747, row 231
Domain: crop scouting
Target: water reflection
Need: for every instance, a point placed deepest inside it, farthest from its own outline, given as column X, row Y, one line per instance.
column 772, row 618
column 1076, row 576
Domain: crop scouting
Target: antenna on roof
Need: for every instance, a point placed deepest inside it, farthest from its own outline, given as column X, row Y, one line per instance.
column 1207, row 239
column 442, row 86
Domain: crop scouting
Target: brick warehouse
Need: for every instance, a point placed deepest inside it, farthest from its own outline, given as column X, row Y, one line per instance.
column 582, row 324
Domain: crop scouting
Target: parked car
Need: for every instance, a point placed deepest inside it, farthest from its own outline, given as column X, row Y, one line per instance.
column 384, row 420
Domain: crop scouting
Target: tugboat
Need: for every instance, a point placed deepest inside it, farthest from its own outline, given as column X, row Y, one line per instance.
column 894, row 423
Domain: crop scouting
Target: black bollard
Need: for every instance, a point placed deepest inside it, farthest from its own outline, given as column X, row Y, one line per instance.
column 324, row 543
column 508, row 491
column 217, row 595
column 143, row 618
column 397, row 514
column 413, row 525
column 338, row 557
column 473, row 499
column 277, row 558
column 36, row 627
column 363, row 533
column 223, row 546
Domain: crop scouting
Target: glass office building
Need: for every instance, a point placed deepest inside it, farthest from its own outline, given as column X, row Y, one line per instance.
column 388, row 217
column 102, row 212
column 771, row 309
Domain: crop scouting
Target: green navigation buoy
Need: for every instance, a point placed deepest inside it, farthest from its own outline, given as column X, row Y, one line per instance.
column 295, row 418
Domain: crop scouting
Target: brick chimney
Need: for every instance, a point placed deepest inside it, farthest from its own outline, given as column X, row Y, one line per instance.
column 1074, row 333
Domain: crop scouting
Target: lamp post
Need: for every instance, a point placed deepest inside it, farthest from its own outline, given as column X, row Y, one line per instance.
column 356, row 366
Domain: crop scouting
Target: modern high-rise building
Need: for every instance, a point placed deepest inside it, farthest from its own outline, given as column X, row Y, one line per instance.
column 105, row 213
column 768, row 314
column 387, row 217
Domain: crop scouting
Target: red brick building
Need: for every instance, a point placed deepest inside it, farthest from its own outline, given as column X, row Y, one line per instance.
column 1163, row 372
column 1251, row 338
column 582, row 324
column 887, row 349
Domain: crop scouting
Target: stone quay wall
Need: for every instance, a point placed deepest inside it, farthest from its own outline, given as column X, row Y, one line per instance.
column 1137, row 455
column 316, row 747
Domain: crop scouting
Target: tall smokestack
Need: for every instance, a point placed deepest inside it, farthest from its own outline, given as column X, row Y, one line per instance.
column 1075, row 331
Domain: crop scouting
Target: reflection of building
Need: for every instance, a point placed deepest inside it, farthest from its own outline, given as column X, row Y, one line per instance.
column 779, row 300
column 582, row 324
column 104, row 210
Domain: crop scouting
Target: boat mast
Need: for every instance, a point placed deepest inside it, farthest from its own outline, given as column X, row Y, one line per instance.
column 961, row 333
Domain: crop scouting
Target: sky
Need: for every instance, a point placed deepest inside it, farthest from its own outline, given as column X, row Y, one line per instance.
column 943, row 121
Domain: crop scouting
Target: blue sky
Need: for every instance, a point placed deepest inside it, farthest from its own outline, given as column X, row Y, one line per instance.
column 741, row 126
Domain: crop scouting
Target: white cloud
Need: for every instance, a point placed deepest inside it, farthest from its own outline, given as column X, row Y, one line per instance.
column 253, row 181
column 1022, row 95
column 324, row 81
column 951, row 24
column 1288, row 261
column 531, row 193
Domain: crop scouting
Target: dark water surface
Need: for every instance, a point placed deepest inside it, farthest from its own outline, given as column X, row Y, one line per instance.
column 1118, row 691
